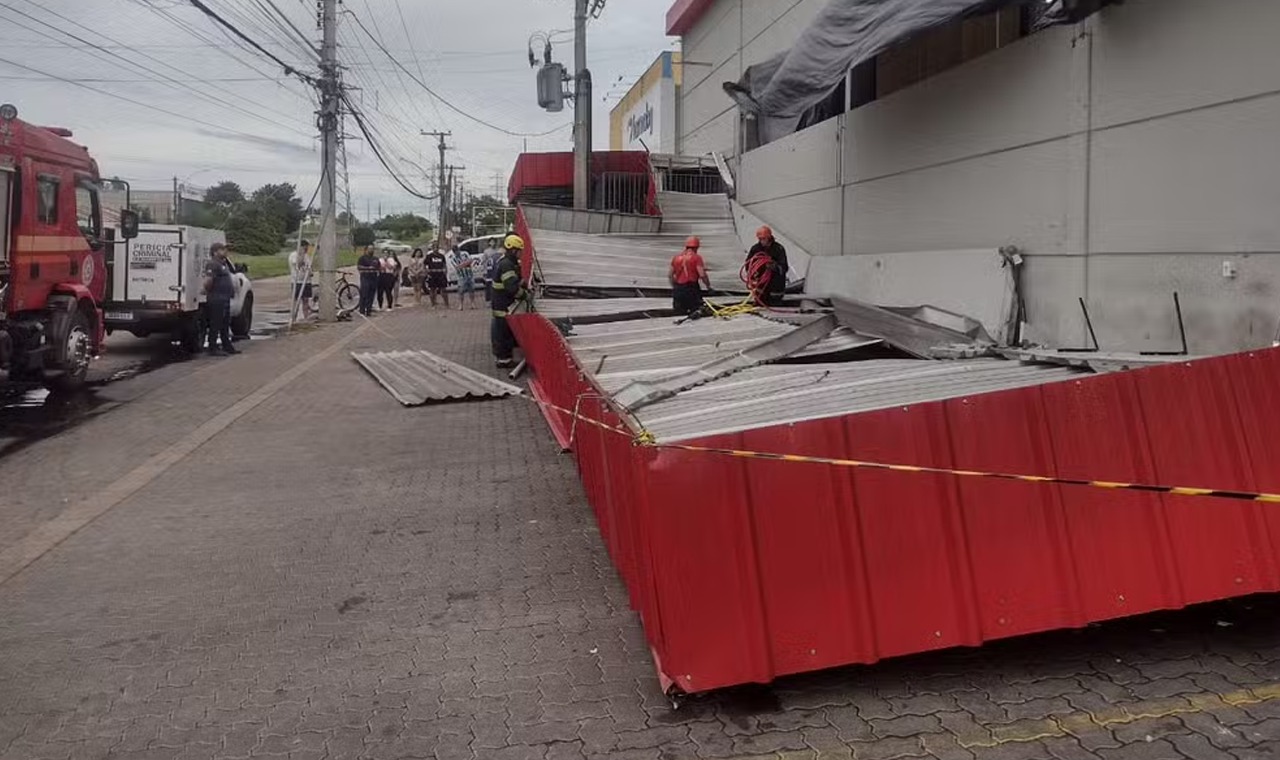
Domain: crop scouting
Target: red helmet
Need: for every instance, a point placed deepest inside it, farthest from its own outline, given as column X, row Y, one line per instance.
column 764, row 233
column 692, row 242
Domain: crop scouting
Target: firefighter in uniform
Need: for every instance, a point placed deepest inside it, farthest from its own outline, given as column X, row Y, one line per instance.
column 687, row 271
column 508, row 290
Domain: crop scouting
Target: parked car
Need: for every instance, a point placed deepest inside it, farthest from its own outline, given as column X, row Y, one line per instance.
column 392, row 246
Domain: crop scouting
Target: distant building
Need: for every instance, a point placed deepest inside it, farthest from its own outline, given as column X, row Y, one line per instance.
column 645, row 118
column 158, row 205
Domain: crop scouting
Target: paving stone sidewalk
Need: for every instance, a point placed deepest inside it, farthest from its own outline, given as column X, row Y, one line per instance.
column 335, row 576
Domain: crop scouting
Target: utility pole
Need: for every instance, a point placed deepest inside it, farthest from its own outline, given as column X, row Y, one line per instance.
column 346, row 193
column 330, row 125
column 440, row 189
column 450, row 196
column 582, row 102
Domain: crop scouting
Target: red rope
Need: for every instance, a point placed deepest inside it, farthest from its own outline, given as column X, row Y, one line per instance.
column 756, row 274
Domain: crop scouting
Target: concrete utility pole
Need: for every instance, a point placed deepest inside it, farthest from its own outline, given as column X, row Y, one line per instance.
column 451, row 196
column 581, row 110
column 440, row 190
column 330, row 124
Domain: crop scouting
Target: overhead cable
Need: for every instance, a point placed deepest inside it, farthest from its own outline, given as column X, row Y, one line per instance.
column 288, row 69
column 373, row 145
column 131, row 101
column 439, row 97
column 103, row 52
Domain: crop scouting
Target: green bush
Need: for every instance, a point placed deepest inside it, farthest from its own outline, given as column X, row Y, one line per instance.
column 362, row 236
column 253, row 231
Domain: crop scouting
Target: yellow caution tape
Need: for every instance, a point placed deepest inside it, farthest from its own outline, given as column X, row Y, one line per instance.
column 645, row 438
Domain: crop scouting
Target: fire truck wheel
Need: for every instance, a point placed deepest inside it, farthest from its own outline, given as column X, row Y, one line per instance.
column 74, row 351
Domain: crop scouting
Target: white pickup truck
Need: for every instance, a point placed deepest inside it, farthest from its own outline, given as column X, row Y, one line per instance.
column 154, row 285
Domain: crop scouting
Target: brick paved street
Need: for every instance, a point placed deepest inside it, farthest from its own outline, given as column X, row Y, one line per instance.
column 331, row 575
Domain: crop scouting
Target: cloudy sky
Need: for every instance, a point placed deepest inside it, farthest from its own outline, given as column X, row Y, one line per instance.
column 157, row 90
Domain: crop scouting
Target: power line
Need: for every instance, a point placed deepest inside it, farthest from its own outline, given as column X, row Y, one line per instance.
column 102, row 52
column 373, row 145
column 438, row 97
column 221, row 47
column 131, row 101
column 141, row 80
column 290, row 70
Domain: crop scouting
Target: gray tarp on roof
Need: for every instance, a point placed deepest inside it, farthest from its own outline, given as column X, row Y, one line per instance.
column 844, row 34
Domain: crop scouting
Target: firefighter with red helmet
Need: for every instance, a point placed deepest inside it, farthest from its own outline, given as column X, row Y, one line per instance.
column 765, row 272
column 688, row 271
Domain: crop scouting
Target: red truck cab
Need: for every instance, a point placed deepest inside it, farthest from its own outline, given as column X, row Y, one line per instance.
column 53, row 253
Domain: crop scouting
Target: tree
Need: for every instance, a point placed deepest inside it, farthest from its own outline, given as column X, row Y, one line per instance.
column 282, row 202
column 144, row 214
column 225, row 193
column 489, row 217
column 405, row 226
column 362, row 236
column 346, row 219
column 253, row 230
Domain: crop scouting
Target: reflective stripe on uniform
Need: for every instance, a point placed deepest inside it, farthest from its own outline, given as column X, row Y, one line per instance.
column 497, row 285
column 499, row 314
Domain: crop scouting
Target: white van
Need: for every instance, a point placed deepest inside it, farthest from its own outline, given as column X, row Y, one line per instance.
column 154, row 285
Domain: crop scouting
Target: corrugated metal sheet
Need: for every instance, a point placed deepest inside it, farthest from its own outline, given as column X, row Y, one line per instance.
column 914, row 336
column 587, row 309
column 618, row 352
column 643, row 392
column 420, row 377
column 633, row 263
column 776, row 394
column 1098, row 361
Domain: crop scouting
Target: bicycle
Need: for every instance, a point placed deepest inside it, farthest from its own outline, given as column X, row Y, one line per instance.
column 348, row 294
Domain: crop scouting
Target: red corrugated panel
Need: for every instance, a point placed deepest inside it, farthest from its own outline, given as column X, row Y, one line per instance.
column 744, row 570
column 1195, row 438
column 1027, row 584
column 913, row 541
column 1098, row 432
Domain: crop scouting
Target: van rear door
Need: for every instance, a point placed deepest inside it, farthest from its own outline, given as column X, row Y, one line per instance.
column 154, row 266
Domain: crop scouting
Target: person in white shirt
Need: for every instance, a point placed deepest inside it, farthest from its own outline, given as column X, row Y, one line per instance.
column 300, row 277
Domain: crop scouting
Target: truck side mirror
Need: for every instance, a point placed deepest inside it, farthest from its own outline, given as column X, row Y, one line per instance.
column 128, row 224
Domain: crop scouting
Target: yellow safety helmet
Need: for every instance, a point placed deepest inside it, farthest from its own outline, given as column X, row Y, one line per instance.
column 513, row 243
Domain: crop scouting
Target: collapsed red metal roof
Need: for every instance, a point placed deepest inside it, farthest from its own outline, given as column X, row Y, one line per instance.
column 747, row 569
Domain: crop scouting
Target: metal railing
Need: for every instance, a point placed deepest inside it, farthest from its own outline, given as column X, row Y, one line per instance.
column 693, row 182
column 622, row 192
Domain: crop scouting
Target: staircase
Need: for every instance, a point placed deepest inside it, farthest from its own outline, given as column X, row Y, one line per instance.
column 636, row 264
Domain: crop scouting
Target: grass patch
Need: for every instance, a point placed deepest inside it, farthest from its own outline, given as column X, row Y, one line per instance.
column 262, row 267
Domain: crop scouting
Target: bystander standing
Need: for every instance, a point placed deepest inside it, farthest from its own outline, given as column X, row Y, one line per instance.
column 219, row 289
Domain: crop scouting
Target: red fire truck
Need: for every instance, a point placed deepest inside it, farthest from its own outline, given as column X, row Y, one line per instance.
column 53, row 253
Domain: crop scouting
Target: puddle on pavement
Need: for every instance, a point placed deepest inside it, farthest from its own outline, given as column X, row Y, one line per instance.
column 28, row 415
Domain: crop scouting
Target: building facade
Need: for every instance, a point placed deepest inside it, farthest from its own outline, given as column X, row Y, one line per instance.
column 1128, row 156
column 645, row 118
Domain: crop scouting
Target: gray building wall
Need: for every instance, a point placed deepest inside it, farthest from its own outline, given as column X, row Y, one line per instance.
column 1128, row 157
